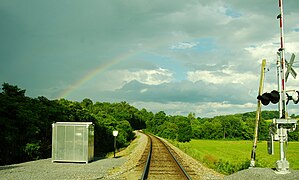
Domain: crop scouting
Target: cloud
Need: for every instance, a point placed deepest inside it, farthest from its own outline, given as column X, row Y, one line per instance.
column 183, row 91
column 224, row 76
column 148, row 77
column 200, row 109
column 183, row 45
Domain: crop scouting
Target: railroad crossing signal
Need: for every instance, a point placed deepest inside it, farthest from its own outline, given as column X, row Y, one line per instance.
column 272, row 97
column 290, row 68
column 281, row 126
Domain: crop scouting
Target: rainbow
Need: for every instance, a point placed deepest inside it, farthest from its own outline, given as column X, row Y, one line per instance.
column 66, row 92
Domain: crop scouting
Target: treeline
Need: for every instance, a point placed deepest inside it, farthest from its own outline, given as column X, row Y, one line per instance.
column 237, row 126
column 26, row 123
column 231, row 127
column 170, row 127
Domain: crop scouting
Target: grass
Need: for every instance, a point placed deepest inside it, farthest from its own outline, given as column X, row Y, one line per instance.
column 125, row 150
column 228, row 157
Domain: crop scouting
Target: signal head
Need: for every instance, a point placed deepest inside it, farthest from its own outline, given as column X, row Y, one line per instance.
column 272, row 97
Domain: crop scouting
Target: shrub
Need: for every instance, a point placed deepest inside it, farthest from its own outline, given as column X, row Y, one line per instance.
column 33, row 150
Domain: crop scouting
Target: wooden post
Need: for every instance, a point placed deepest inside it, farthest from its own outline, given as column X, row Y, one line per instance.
column 258, row 113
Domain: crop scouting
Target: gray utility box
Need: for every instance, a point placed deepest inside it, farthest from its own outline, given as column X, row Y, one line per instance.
column 72, row 141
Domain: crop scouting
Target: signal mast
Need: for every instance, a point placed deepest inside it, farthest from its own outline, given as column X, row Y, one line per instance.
column 282, row 125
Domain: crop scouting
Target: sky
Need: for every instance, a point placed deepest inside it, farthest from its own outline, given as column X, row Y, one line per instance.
column 176, row 56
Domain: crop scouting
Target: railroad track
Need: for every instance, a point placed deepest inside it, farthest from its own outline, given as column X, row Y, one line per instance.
column 161, row 162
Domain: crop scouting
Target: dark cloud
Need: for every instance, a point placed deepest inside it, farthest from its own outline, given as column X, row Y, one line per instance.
column 184, row 91
column 47, row 46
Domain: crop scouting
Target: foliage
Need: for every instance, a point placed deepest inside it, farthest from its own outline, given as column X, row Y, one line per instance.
column 237, row 126
column 171, row 127
column 33, row 150
column 228, row 127
column 224, row 166
column 26, row 131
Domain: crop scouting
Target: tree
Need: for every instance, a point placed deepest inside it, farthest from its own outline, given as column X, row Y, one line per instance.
column 169, row 130
column 12, row 91
column 185, row 130
column 87, row 103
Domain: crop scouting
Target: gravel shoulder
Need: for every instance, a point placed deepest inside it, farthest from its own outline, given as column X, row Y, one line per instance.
column 45, row 169
column 262, row 174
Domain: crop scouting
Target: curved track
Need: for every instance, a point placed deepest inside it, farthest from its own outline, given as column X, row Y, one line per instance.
column 161, row 162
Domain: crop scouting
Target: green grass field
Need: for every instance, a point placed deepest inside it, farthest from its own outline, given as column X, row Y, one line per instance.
column 230, row 156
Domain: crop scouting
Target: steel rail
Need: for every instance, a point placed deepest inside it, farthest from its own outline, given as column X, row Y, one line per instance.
column 147, row 169
column 148, row 161
column 181, row 167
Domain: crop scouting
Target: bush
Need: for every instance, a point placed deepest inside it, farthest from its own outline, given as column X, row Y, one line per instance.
column 223, row 166
column 33, row 150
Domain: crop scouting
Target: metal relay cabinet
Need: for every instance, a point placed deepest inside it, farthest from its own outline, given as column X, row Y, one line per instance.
column 72, row 141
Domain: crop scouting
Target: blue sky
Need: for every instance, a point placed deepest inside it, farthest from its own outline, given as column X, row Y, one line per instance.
column 174, row 56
